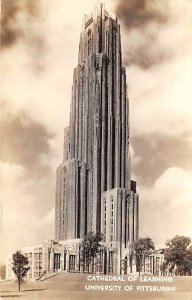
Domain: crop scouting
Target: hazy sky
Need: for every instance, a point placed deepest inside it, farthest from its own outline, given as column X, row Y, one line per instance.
column 39, row 51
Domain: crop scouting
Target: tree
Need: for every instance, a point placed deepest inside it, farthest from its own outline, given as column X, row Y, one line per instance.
column 141, row 249
column 20, row 267
column 163, row 268
column 89, row 248
column 178, row 255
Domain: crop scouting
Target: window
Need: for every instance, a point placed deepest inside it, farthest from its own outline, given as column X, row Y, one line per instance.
column 89, row 42
column 36, row 265
column 106, row 42
column 110, row 266
column 105, row 222
column 36, row 256
column 71, row 262
column 57, row 261
column 65, row 262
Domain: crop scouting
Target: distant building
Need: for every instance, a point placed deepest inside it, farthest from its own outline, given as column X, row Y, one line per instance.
column 94, row 191
column 153, row 262
column 35, row 258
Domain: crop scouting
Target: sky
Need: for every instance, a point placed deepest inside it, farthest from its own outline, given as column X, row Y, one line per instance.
column 39, row 52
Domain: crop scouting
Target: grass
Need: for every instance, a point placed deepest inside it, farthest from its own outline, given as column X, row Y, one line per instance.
column 71, row 286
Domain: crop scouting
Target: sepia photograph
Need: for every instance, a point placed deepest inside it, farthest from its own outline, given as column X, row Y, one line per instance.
column 96, row 149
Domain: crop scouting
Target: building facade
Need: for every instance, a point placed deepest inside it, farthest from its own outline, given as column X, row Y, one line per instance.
column 94, row 191
column 51, row 257
column 153, row 263
column 47, row 259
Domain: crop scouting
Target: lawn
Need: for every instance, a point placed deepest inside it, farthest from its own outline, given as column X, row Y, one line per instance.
column 71, row 286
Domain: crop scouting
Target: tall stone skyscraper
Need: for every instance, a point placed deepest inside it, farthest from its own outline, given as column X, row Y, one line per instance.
column 94, row 191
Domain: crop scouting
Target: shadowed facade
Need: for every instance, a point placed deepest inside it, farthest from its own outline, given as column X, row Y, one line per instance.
column 93, row 190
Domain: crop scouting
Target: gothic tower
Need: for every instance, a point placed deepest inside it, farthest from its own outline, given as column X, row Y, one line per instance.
column 94, row 191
